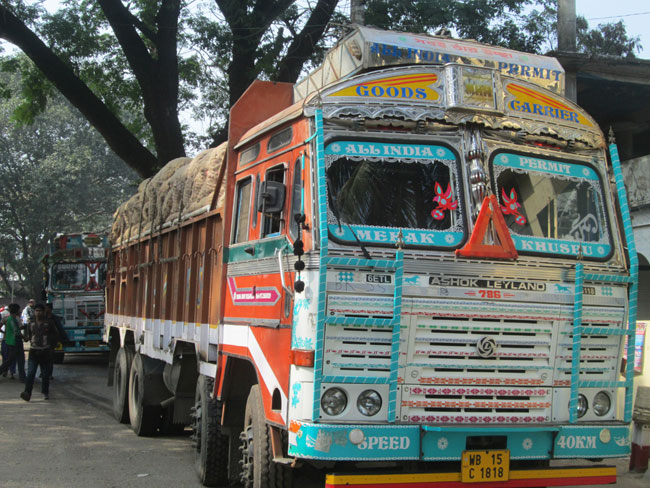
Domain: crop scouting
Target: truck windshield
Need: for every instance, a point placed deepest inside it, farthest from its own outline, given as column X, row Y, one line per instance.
column 552, row 207
column 69, row 276
column 381, row 188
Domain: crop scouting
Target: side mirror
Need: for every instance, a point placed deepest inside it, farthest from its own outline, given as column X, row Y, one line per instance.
column 271, row 197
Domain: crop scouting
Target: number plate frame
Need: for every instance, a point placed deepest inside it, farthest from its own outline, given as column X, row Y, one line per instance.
column 482, row 466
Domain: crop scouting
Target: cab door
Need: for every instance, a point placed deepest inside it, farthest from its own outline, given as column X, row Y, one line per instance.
column 268, row 191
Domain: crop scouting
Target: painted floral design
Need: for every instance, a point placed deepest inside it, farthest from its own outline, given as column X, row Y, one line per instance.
column 445, row 201
column 511, row 205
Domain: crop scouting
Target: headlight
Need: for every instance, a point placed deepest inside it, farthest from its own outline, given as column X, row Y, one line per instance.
column 602, row 403
column 369, row 403
column 333, row 401
column 582, row 405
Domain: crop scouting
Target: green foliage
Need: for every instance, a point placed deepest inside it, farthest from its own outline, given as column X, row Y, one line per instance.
column 57, row 175
column 508, row 23
column 223, row 45
column 607, row 40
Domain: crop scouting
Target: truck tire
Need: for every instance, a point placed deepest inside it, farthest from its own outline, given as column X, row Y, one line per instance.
column 211, row 446
column 145, row 419
column 121, row 372
column 258, row 468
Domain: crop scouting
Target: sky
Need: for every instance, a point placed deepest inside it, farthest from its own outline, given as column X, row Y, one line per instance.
column 634, row 13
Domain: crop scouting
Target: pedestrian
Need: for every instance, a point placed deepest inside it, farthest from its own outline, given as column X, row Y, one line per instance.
column 28, row 312
column 43, row 338
column 56, row 321
column 12, row 337
column 4, row 313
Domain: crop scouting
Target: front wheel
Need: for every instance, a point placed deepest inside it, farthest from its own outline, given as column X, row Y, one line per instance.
column 211, row 446
column 258, row 468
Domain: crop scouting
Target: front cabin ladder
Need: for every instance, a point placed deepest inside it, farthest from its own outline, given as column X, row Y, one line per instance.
column 578, row 330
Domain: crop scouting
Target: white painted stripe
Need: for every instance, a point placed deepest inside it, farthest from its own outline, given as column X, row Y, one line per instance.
column 237, row 335
column 234, row 335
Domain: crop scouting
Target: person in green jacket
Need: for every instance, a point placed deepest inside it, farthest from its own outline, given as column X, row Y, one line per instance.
column 12, row 337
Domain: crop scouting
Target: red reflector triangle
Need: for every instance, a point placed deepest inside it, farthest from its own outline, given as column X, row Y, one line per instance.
column 476, row 247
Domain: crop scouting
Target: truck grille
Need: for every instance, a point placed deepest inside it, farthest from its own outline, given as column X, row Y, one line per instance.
column 475, row 404
column 445, row 377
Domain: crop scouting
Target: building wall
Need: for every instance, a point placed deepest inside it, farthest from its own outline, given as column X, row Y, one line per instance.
column 636, row 173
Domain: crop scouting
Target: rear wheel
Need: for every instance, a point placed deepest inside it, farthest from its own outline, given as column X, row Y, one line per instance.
column 144, row 418
column 258, row 468
column 59, row 357
column 211, row 446
column 121, row 372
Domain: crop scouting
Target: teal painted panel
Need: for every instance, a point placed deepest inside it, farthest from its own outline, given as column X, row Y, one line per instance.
column 372, row 442
column 449, row 444
column 575, row 441
column 561, row 247
column 263, row 249
column 528, row 163
column 413, row 237
column 389, row 150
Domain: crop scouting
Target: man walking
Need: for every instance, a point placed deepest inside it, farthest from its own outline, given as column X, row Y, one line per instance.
column 43, row 339
column 28, row 312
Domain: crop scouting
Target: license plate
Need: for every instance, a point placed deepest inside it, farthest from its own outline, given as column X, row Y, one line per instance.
column 481, row 466
column 92, row 344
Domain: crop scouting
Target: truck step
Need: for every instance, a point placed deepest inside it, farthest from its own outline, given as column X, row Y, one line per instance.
column 283, row 460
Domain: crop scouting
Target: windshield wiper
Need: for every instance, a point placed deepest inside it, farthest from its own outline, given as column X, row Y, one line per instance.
column 335, row 210
column 365, row 252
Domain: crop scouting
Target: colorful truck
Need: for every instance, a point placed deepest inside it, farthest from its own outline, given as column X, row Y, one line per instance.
column 74, row 279
column 412, row 268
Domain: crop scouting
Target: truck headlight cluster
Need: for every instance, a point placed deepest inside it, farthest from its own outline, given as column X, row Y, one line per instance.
column 601, row 404
column 335, row 401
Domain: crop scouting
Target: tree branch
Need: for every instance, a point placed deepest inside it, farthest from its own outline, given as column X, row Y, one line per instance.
column 121, row 21
column 120, row 140
column 156, row 74
column 303, row 44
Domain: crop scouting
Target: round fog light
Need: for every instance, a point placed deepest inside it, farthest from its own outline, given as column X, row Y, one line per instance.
column 602, row 403
column 369, row 403
column 582, row 405
column 333, row 401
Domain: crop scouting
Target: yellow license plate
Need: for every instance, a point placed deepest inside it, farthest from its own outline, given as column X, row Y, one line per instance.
column 92, row 344
column 481, row 466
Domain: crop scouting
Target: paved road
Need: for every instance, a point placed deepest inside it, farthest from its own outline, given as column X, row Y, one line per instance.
column 73, row 441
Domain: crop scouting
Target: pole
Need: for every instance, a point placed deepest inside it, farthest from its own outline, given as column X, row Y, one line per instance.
column 566, row 42
column 357, row 11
